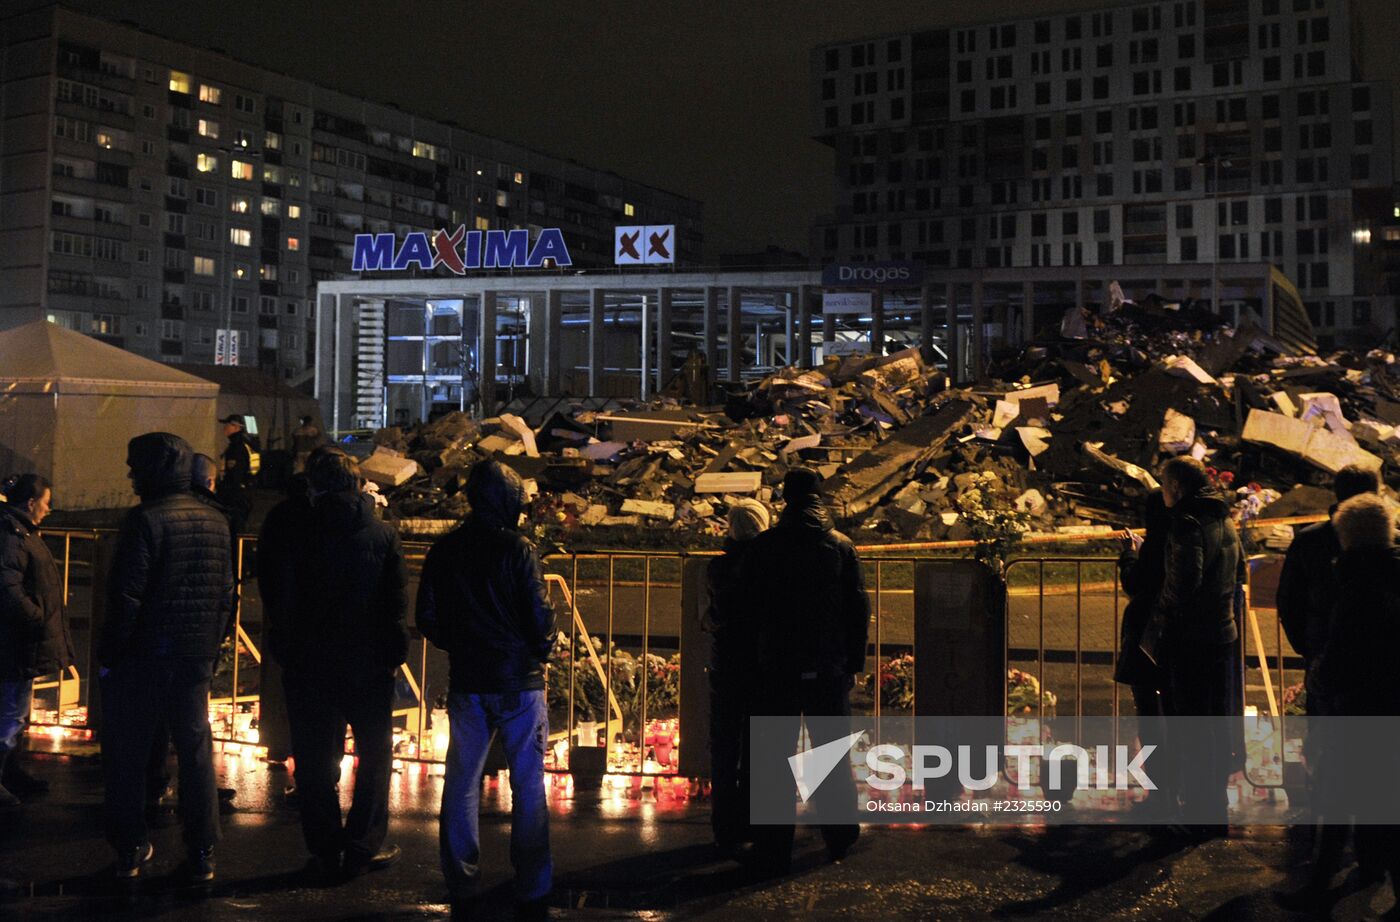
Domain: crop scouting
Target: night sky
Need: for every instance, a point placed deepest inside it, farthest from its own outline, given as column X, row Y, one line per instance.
column 708, row 99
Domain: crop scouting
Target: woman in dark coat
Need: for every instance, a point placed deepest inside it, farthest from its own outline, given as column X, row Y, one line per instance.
column 1142, row 567
column 34, row 637
column 1357, row 674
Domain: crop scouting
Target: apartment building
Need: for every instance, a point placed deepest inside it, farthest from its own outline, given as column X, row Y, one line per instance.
column 153, row 193
column 1196, row 132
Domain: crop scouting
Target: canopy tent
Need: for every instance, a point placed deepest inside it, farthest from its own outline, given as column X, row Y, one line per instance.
column 69, row 404
column 276, row 407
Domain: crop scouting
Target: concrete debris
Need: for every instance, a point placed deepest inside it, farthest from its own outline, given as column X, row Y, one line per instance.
column 1178, row 435
column 1072, row 431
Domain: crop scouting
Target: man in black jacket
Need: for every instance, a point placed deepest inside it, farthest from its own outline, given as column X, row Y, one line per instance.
column 285, row 525
column 1204, row 568
column 34, row 637
column 167, row 604
column 1307, row 586
column 733, row 670
column 336, row 622
column 242, row 462
column 482, row 599
column 1141, row 567
column 806, row 594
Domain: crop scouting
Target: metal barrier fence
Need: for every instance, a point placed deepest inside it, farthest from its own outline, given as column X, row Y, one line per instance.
column 614, row 677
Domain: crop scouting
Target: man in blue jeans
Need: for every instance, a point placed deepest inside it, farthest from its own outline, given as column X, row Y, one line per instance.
column 482, row 599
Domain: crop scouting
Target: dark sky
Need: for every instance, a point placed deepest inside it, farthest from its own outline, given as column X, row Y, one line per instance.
column 708, row 98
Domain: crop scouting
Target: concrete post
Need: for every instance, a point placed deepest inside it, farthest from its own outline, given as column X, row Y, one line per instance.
column 979, row 331
column 712, row 333
column 486, row 354
column 553, row 335
column 664, row 368
column 877, row 322
column 734, row 330
column 952, row 337
column 926, row 322
column 595, row 342
column 1027, row 311
column 804, row 326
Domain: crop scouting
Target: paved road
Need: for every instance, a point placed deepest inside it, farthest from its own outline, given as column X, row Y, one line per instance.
column 647, row 858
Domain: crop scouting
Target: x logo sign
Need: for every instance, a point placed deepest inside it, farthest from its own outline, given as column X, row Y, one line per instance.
column 627, row 244
column 446, row 246
column 657, row 245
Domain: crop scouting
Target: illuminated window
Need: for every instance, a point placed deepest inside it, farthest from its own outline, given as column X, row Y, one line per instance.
column 293, row 212
column 209, row 94
column 424, row 149
column 240, row 236
column 104, row 139
column 241, row 271
column 206, row 163
column 239, row 169
column 272, row 173
column 502, row 200
column 272, row 141
column 519, row 177
column 629, row 209
column 208, row 128
column 294, row 243
column 179, row 83
column 204, row 265
column 239, row 204
column 483, row 223
column 271, row 207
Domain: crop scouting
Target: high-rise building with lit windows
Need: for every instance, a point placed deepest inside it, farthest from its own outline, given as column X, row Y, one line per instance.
column 153, row 192
column 1175, row 132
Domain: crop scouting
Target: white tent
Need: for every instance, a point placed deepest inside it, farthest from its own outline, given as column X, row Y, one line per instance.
column 69, row 404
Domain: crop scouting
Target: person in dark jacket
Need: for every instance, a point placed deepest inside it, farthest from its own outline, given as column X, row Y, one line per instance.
column 1355, row 676
column 1141, row 568
column 242, row 463
column 34, row 639
column 337, row 624
column 482, row 599
column 1204, row 567
column 1307, row 587
column 203, row 475
column 733, row 670
column 285, row 526
column 806, row 594
column 306, row 438
column 167, row 604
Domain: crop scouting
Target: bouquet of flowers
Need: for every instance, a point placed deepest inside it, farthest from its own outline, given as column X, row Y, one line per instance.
column 896, row 683
column 1024, row 695
column 1295, row 701
column 989, row 511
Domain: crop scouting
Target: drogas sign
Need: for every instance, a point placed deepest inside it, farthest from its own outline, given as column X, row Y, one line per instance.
column 873, row 275
column 460, row 250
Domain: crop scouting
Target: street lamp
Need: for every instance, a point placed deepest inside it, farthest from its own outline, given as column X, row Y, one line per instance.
column 1216, row 162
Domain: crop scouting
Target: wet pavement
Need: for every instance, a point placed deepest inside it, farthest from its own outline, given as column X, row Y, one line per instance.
column 644, row 854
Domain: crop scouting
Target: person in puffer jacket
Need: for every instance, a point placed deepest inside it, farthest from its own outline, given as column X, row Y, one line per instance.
column 168, row 598
column 34, row 639
column 337, row 624
column 482, row 599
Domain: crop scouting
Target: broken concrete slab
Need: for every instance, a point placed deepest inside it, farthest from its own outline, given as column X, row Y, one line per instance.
column 602, row 451
column 652, row 510
column 648, row 426
column 594, row 515
column 1031, row 502
column 387, row 468
column 866, row 480
column 734, row 482
column 1095, row 451
column 1315, row 444
column 1178, row 434
column 522, row 431
column 1182, row 366
column 1036, row 439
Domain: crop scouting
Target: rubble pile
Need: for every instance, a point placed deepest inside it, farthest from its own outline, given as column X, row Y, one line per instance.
column 1065, row 438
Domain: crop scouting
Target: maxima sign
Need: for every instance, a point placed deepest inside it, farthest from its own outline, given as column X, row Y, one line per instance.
column 460, row 250
column 873, row 275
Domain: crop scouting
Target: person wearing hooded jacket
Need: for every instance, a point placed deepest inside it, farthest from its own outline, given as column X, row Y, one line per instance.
column 168, row 601
column 805, row 594
column 732, row 673
column 34, row 638
column 1352, row 675
column 482, row 599
column 336, row 623
column 1196, row 608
